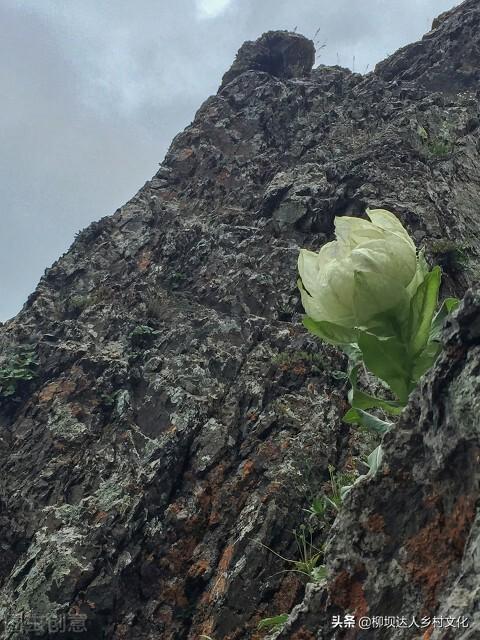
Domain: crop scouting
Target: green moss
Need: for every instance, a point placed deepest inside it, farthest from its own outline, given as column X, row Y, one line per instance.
column 440, row 144
column 440, row 148
column 78, row 303
column 451, row 255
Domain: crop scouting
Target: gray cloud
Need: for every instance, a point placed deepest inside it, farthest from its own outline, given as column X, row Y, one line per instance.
column 93, row 93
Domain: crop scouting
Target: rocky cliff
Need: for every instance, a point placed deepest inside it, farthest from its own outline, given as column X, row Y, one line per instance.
column 166, row 422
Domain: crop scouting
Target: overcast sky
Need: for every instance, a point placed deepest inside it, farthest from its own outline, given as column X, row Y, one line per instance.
column 93, row 91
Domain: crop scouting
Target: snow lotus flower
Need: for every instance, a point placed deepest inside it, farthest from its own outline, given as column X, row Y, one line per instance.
column 371, row 294
column 369, row 269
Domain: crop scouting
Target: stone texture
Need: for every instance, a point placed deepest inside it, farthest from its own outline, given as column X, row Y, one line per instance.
column 181, row 419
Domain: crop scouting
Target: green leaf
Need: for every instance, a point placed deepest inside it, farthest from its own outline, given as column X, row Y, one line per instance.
column 353, row 352
column 319, row 573
column 422, row 132
column 357, row 416
column 422, row 309
column 388, row 359
column 271, row 623
column 421, row 272
column 375, row 460
column 448, row 305
column 361, row 400
column 425, row 360
column 332, row 333
column 390, row 324
column 330, row 503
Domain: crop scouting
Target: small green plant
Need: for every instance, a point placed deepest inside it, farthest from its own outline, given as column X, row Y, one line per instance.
column 440, row 148
column 286, row 308
column 440, row 145
column 78, row 303
column 310, row 556
column 333, row 500
column 452, row 256
column 337, row 482
column 19, row 369
column 143, row 335
column 299, row 360
column 317, row 508
column 273, row 623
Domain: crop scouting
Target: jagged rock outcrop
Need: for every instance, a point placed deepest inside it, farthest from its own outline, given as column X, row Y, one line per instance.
column 281, row 54
column 446, row 59
column 180, row 419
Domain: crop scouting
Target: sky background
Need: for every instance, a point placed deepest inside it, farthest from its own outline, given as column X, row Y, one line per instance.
column 93, row 91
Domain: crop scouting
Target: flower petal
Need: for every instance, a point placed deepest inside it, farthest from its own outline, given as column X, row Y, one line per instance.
column 392, row 256
column 354, row 231
column 389, row 222
column 313, row 306
column 308, row 268
column 373, row 296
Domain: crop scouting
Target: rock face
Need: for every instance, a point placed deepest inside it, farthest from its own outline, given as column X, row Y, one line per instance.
column 179, row 421
column 446, row 59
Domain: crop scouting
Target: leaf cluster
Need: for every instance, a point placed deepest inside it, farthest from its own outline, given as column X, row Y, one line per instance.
column 398, row 347
column 273, row 623
column 332, row 499
column 439, row 146
column 20, row 368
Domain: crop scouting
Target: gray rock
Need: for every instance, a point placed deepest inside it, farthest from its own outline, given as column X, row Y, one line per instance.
column 180, row 419
column 282, row 54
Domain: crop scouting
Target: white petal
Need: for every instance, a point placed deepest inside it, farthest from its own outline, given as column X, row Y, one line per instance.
column 392, row 256
column 389, row 222
column 337, row 293
column 329, row 252
column 308, row 268
column 313, row 306
column 354, row 231
column 312, row 266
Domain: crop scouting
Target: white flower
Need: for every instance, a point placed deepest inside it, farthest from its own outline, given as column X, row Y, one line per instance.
column 367, row 270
